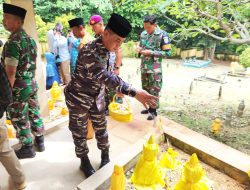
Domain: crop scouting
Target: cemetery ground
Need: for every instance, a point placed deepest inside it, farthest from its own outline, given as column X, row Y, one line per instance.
column 196, row 104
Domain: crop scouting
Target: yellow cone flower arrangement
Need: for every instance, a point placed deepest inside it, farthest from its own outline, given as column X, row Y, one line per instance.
column 168, row 159
column 216, row 126
column 51, row 104
column 148, row 173
column 193, row 176
column 118, row 180
column 64, row 111
column 11, row 132
column 55, row 92
column 8, row 122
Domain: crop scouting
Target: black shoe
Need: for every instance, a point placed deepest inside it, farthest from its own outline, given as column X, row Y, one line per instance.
column 144, row 112
column 151, row 116
column 39, row 143
column 105, row 158
column 153, row 111
column 25, row 152
column 86, row 167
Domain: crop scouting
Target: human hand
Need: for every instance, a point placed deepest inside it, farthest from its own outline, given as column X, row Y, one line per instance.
column 138, row 49
column 116, row 71
column 146, row 52
column 146, row 99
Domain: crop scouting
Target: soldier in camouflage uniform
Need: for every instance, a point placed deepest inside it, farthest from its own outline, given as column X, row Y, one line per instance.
column 19, row 57
column 154, row 45
column 85, row 92
column 115, row 58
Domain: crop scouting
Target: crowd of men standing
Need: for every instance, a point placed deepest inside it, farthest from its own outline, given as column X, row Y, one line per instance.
column 89, row 68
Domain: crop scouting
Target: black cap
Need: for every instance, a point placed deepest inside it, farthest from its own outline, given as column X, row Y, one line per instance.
column 76, row 22
column 14, row 10
column 119, row 25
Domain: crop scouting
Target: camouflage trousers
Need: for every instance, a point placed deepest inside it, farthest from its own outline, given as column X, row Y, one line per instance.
column 152, row 83
column 25, row 115
column 80, row 110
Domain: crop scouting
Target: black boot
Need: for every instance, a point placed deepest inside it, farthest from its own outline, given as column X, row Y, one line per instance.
column 144, row 112
column 25, row 152
column 39, row 143
column 105, row 158
column 86, row 166
column 152, row 114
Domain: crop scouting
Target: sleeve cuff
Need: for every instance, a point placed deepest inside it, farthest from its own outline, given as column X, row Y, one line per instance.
column 128, row 90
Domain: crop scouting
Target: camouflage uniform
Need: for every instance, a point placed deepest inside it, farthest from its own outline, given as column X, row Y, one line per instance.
column 109, row 91
column 85, row 95
column 24, row 111
column 151, row 68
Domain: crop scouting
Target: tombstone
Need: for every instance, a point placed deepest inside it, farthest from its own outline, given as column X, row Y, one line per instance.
column 229, row 114
column 241, row 108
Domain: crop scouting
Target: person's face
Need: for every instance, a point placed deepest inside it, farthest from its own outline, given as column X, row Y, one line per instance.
column 97, row 28
column 11, row 22
column 113, row 41
column 70, row 33
column 150, row 28
column 78, row 31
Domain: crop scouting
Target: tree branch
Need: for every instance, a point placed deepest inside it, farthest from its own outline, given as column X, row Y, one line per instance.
column 208, row 15
column 219, row 17
column 173, row 21
column 230, row 39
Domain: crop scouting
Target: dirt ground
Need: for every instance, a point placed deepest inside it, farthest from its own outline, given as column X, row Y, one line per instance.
column 217, row 180
column 197, row 109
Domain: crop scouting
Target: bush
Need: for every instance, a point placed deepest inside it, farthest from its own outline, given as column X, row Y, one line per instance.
column 129, row 49
column 245, row 58
column 173, row 51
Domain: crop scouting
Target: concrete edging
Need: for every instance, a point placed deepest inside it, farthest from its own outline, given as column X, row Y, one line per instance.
column 101, row 179
column 220, row 156
column 208, row 150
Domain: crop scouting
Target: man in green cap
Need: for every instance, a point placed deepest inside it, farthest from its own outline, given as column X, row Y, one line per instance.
column 19, row 58
column 85, row 92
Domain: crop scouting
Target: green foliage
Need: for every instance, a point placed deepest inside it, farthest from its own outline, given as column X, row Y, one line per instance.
column 173, row 51
column 245, row 58
column 64, row 20
column 128, row 49
column 127, row 8
column 42, row 28
column 190, row 18
column 80, row 8
column 3, row 33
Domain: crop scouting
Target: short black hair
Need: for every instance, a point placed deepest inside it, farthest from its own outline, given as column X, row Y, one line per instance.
column 150, row 18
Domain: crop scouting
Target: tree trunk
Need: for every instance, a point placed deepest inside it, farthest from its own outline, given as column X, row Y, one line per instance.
column 212, row 50
column 206, row 52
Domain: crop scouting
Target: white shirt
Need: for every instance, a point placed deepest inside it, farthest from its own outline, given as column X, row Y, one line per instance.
column 50, row 38
column 60, row 47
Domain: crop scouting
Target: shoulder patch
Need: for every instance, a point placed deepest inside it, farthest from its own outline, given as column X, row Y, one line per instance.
column 166, row 40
